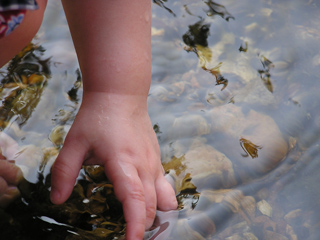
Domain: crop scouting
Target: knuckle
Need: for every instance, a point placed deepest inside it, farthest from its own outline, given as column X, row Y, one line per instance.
column 137, row 194
column 151, row 211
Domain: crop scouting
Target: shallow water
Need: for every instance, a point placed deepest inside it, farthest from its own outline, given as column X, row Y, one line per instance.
column 234, row 102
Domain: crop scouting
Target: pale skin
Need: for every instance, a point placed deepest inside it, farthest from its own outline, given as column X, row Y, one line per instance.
column 113, row 128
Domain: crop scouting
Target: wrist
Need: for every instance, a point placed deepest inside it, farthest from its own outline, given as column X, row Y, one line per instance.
column 122, row 104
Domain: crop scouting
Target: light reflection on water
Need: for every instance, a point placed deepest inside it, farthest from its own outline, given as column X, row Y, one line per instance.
column 242, row 80
column 234, row 102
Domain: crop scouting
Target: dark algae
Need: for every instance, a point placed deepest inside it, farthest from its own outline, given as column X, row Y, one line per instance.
column 92, row 211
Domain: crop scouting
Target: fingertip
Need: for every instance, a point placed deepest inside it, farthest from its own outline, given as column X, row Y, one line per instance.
column 166, row 197
column 16, row 172
column 63, row 179
column 19, row 176
column 61, row 189
column 10, row 172
column 66, row 168
column 55, row 196
column 9, row 196
column 135, row 215
column 135, row 231
column 130, row 192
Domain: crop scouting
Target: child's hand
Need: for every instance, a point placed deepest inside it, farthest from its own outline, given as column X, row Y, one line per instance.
column 10, row 176
column 115, row 131
column 112, row 128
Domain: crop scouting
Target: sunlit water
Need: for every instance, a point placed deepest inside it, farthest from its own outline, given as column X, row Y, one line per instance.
column 234, row 102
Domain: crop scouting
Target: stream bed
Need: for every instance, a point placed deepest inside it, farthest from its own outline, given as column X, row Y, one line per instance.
column 234, row 101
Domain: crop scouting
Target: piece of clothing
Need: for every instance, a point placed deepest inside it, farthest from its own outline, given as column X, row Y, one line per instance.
column 7, row 5
column 12, row 13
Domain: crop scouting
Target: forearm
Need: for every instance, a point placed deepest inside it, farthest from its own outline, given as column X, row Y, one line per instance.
column 112, row 40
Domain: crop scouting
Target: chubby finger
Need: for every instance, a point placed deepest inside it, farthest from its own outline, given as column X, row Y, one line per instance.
column 166, row 197
column 10, row 194
column 65, row 170
column 3, row 186
column 150, row 199
column 130, row 192
column 11, row 173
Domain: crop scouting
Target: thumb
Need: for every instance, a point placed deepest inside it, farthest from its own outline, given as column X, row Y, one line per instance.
column 66, row 169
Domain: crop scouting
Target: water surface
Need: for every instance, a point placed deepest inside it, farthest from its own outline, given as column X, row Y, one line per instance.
column 234, row 102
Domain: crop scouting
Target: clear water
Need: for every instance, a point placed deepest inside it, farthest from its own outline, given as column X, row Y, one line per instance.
column 234, row 101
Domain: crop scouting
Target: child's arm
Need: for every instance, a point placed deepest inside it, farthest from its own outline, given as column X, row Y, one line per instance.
column 112, row 40
column 13, row 43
